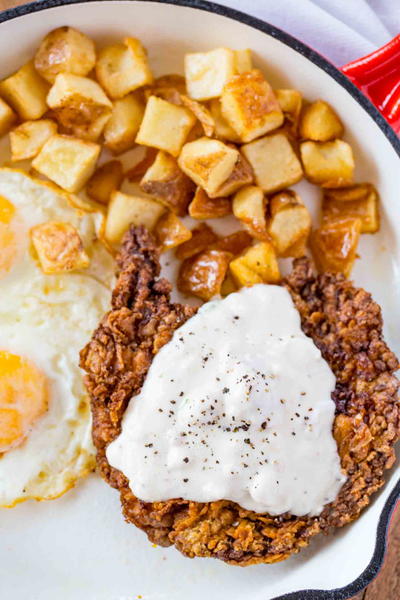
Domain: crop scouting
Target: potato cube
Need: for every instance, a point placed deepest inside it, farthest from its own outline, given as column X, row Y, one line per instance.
column 67, row 161
column 207, row 72
column 136, row 172
column 201, row 113
column 28, row 139
column 357, row 191
column 122, row 127
column 165, row 126
column 249, row 105
column 228, row 285
column 257, row 264
column 241, row 175
column 65, row 50
column 222, row 128
column 171, row 232
column 122, row 68
column 202, row 237
column 334, row 245
column 26, row 92
column 203, row 274
column 125, row 210
column 249, row 206
column 208, row 163
column 79, row 105
column 290, row 102
column 274, row 162
column 165, row 181
column 365, row 207
column 290, row 221
column 204, row 207
column 320, row 123
column 330, row 164
column 59, row 247
column 7, row 118
column 234, row 243
column 105, row 180
column 243, row 60
column 298, row 249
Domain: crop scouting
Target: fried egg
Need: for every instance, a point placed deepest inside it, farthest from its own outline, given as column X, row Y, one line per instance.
column 45, row 423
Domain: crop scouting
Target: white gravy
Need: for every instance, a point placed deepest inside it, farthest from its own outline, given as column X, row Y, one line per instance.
column 236, row 406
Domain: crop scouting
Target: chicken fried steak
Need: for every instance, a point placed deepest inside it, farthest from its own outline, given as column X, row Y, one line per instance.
column 344, row 323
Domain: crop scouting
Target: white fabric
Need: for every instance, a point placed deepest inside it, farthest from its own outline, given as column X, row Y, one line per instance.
column 341, row 30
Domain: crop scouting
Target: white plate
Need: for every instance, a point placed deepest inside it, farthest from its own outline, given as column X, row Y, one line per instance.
column 78, row 547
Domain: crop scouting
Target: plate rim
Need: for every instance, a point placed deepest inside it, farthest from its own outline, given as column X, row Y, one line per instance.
column 375, row 564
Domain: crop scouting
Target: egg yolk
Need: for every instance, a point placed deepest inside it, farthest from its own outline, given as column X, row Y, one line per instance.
column 23, row 398
column 8, row 243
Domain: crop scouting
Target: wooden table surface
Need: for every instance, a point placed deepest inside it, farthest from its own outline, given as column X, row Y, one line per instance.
column 387, row 585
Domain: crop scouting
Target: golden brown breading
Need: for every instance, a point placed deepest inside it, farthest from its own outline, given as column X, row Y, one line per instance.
column 344, row 323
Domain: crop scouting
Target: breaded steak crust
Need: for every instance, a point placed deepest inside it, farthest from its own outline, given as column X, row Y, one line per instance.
column 344, row 322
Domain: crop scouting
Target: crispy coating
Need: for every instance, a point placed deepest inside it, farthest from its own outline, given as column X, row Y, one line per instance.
column 344, row 323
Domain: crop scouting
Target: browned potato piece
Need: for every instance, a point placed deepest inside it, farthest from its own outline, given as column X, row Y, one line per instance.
column 241, row 175
column 364, row 207
column 104, row 181
column 274, row 162
column 171, row 80
column 290, row 102
column 206, row 73
column 208, row 163
column 165, row 181
column 234, row 243
column 330, row 164
column 202, row 237
column 59, row 247
column 257, row 264
column 26, row 92
column 203, row 274
column 289, row 223
column 297, row 250
column 223, row 130
column 201, row 113
column 334, row 245
column 65, row 50
column 358, row 191
column 171, row 232
column 165, row 126
column 320, row 123
column 136, row 172
column 167, row 87
column 228, row 285
column 7, row 118
column 243, row 60
column 250, row 106
column 122, row 68
column 249, row 206
column 122, row 127
column 124, row 210
column 28, row 139
column 204, row 207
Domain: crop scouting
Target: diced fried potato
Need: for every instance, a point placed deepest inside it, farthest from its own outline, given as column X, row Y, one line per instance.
column 67, row 161
column 222, row 128
column 59, row 247
column 357, row 191
column 201, row 113
column 243, row 60
column 203, row 274
column 124, row 210
column 257, row 264
column 204, row 207
column 26, row 92
column 28, row 139
column 165, row 126
column 249, row 206
column 207, row 72
column 228, row 285
column 171, row 232
column 298, row 249
column 334, row 245
column 208, row 163
column 168, row 87
column 65, row 50
column 105, row 180
column 330, row 164
column 121, row 129
column 274, row 162
column 165, row 181
column 171, row 80
column 249, row 105
column 79, row 105
column 290, row 102
column 122, row 68
column 290, row 221
column 364, row 207
column 136, row 172
column 7, row 118
column 320, row 123
column 234, row 243
column 241, row 175
column 202, row 237
column 195, row 133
